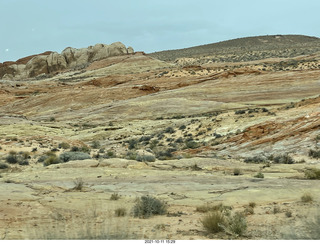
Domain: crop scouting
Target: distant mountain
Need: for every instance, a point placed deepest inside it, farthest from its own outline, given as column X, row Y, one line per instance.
column 283, row 45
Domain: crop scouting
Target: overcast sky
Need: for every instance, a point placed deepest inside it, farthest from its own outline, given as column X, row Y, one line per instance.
column 34, row 26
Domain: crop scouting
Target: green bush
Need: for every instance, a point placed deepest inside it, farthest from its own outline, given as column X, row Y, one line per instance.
column 236, row 224
column 115, row 197
column 96, row 145
column 259, row 175
column 145, row 158
column 255, row 159
column 148, row 206
column 70, row 156
column 283, row 159
column 169, row 130
column 3, row 166
column 64, row 145
column 120, row 212
column 132, row 144
column 314, row 153
column 312, row 174
column 237, row 171
column 12, row 159
column 192, row 144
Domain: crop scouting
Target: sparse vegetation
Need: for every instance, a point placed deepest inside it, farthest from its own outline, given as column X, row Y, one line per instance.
column 306, row 197
column 237, row 171
column 3, row 166
column 283, row 159
column 314, row 153
column 236, row 224
column 312, row 174
column 70, row 156
column 147, row 206
column 64, row 145
column 96, row 144
column 51, row 160
column 115, row 197
column 259, row 175
column 255, row 159
column 78, row 184
column 120, row 212
column 214, row 221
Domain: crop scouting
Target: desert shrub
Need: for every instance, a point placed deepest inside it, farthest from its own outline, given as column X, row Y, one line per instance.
column 240, row 112
column 78, row 184
column 312, row 174
column 147, row 206
column 192, row 144
column 24, row 162
column 95, row 144
column 153, row 143
column 25, row 155
column 145, row 158
column 64, row 145
column 12, row 159
column 195, row 167
column 3, row 166
column 120, row 212
column 182, row 127
column 214, row 221
column 179, row 140
column 248, row 210
column 145, row 139
column 276, row 209
column 70, row 156
column 111, row 154
column 164, row 155
column 314, row 153
column 169, row 130
column 51, row 160
column 306, row 197
column 252, row 204
column 131, row 155
column 255, row 159
column 75, row 149
column 288, row 213
column 307, row 230
column 236, row 224
column 237, row 171
column 132, row 143
column 85, row 149
column 283, row 159
column 259, row 175
column 115, row 197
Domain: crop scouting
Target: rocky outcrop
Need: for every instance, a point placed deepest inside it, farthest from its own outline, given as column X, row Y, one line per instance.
column 51, row 62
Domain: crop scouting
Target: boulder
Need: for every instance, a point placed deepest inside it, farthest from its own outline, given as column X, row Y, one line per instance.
column 56, row 62
column 130, row 50
column 37, row 65
column 116, row 49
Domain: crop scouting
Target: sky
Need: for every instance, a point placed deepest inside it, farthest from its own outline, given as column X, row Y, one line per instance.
column 33, row 26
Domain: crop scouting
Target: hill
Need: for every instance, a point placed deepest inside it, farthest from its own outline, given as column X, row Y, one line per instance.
column 248, row 48
column 82, row 142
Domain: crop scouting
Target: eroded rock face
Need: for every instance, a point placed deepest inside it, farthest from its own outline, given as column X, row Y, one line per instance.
column 50, row 62
column 37, row 65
